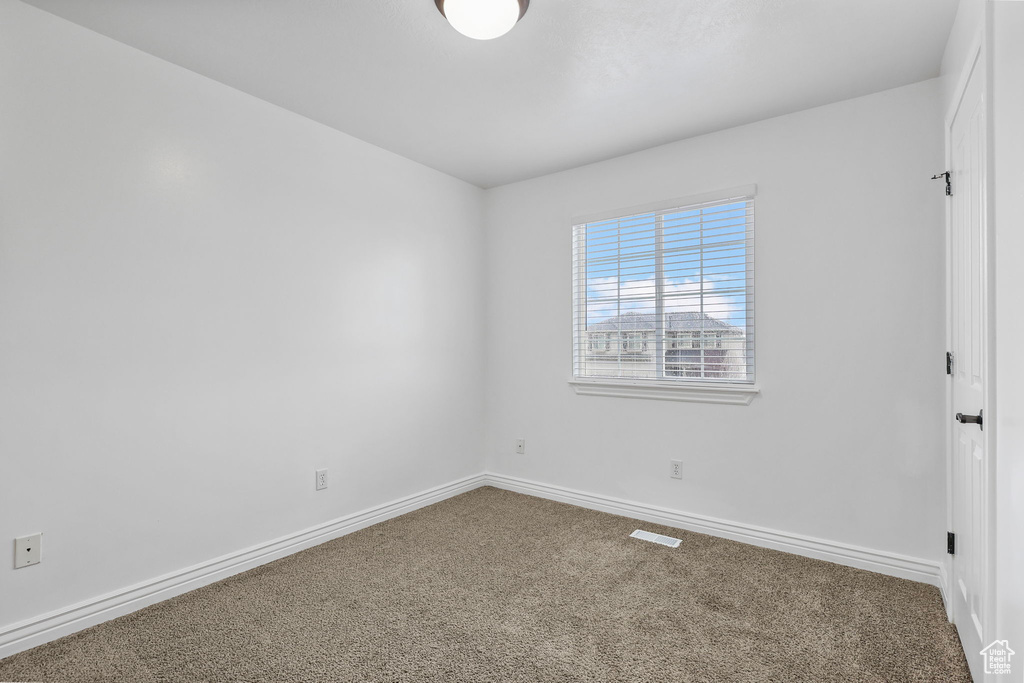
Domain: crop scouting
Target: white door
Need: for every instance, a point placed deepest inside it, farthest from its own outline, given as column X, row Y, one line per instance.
column 968, row 292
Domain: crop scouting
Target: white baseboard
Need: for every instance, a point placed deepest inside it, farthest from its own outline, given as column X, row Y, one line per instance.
column 36, row 631
column 47, row 627
column 892, row 564
column 945, row 588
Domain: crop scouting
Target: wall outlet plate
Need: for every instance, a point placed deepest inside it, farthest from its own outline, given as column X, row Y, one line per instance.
column 520, row 446
column 28, row 551
column 677, row 469
column 321, row 479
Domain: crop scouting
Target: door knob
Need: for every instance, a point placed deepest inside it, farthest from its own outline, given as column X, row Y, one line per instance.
column 970, row 419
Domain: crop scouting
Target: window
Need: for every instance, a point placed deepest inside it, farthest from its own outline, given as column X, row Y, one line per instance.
column 680, row 275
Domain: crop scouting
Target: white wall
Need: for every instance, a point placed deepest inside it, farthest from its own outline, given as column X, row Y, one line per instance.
column 203, row 298
column 1007, row 102
column 846, row 441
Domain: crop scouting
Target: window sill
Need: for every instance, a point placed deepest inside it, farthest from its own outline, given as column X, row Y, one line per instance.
column 730, row 394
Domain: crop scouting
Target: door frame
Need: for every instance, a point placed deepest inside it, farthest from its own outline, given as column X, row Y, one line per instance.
column 977, row 63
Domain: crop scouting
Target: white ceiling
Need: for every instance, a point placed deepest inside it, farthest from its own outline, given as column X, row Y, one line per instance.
column 576, row 81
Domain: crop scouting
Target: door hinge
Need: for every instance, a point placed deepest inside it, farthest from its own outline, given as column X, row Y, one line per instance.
column 949, row 362
column 951, row 543
column 949, row 185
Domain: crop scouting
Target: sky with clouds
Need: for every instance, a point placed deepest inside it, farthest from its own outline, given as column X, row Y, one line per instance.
column 704, row 261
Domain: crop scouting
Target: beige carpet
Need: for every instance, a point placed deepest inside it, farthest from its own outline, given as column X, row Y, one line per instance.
column 496, row 586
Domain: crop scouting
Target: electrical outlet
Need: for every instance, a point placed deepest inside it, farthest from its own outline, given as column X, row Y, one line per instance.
column 677, row 469
column 520, row 446
column 321, row 480
column 28, row 550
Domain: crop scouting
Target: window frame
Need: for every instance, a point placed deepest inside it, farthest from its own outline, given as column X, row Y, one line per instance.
column 735, row 391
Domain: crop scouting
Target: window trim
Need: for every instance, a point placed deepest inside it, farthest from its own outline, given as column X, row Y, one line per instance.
column 694, row 392
column 740, row 392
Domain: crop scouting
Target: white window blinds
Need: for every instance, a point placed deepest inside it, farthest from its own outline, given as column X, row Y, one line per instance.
column 665, row 293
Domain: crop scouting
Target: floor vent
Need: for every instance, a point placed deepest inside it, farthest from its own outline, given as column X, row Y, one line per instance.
column 656, row 538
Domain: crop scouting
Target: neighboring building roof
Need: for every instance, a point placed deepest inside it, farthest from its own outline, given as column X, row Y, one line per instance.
column 628, row 322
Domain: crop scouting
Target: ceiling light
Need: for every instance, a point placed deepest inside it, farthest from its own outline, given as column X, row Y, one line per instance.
column 482, row 19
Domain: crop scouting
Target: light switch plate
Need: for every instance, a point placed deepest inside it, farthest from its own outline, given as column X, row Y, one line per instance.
column 28, row 550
